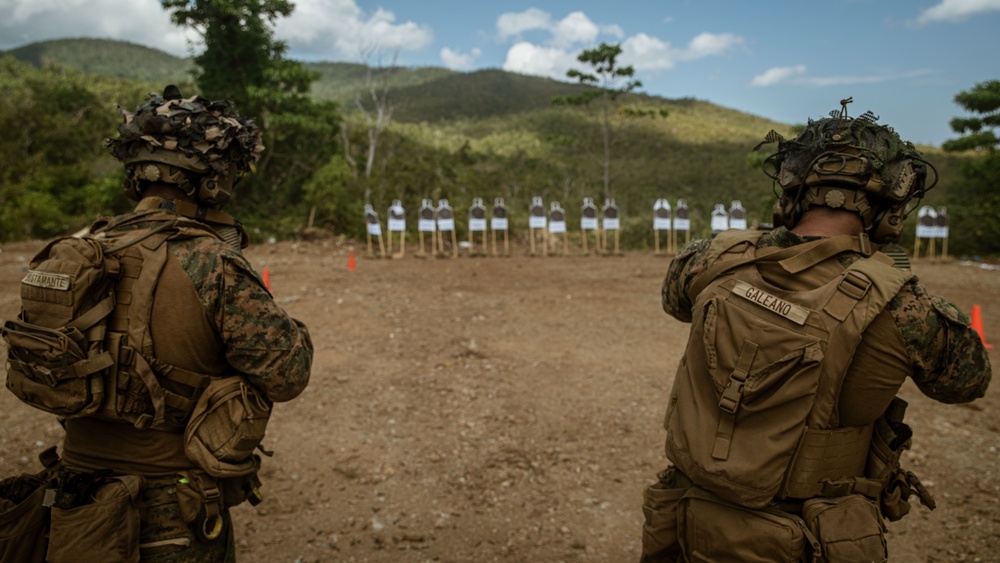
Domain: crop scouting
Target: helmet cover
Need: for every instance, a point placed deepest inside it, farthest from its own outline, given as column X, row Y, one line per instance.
column 847, row 163
column 202, row 146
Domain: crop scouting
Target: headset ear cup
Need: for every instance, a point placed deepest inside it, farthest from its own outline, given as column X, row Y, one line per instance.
column 887, row 227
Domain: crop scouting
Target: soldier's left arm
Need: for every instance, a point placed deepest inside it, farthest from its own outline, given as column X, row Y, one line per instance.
column 948, row 359
column 686, row 266
column 262, row 341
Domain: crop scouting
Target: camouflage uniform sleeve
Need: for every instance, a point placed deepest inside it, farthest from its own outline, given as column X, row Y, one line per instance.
column 273, row 349
column 948, row 360
column 683, row 269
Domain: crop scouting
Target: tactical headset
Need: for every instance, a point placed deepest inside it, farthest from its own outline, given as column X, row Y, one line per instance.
column 851, row 164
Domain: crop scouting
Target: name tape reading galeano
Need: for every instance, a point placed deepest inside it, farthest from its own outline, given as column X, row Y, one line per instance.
column 48, row 280
column 777, row 305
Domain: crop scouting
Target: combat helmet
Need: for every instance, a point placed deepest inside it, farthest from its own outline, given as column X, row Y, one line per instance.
column 203, row 147
column 847, row 163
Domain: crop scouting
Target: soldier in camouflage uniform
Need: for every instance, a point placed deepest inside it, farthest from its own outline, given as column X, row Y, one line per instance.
column 841, row 176
column 211, row 313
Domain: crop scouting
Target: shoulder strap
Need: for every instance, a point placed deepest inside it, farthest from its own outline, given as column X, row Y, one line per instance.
column 793, row 259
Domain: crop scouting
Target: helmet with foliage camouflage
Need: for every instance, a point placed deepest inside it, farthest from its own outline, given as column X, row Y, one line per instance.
column 851, row 164
column 201, row 146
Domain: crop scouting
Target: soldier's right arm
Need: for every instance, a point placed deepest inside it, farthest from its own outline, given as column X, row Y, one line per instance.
column 948, row 360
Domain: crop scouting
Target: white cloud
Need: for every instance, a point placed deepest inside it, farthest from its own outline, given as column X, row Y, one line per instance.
column 513, row 24
column 528, row 58
column 340, row 29
column 645, row 52
column 777, row 75
column 456, row 60
column 574, row 29
column 139, row 21
column 797, row 75
column 955, row 11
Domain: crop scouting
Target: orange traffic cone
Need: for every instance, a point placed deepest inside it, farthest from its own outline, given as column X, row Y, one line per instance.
column 977, row 325
column 267, row 279
column 350, row 263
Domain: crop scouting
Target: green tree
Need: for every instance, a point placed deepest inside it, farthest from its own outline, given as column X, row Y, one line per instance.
column 605, row 83
column 244, row 63
column 974, row 201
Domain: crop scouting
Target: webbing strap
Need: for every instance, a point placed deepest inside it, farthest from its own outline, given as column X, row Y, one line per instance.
column 851, row 289
column 730, row 401
column 94, row 315
column 91, row 365
column 156, row 393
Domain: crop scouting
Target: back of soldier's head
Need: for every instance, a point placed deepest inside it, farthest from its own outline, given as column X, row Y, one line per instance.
column 852, row 164
column 201, row 147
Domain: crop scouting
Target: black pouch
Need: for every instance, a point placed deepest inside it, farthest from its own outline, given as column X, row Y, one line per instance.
column 106, row 529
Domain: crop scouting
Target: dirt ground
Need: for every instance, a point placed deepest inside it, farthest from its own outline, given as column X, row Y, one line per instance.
column 510, row 409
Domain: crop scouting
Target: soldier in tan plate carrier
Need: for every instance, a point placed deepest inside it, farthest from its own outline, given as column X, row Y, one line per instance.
column 160, row 349
column 783, row 427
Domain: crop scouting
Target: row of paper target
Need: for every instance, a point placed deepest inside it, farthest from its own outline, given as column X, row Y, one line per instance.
column 932, row 223
column 441, row 217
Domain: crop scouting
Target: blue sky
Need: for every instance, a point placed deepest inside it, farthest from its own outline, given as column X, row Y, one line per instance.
column 787, row 60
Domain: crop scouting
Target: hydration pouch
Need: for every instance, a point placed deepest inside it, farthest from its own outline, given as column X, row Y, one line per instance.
column 105, row 529
column 849, row 528
column 711, row 529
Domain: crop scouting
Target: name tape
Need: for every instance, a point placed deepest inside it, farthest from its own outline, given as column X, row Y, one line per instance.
column 774, row 304
column 47, row 280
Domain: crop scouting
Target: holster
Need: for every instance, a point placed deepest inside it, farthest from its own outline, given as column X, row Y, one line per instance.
column 890, row 438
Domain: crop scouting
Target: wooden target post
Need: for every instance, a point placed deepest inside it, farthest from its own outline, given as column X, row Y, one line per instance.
column 374, row 228
column 397, row 224
column 498, row 222
column 588, row 222
column 427, row 224
column 737, row 215
column 610, row 222
column 661, row 222
column 477, row 224
column 557, row 225
column 536, row 222
column 446, row 223
column 682, row 223
column 720, row 219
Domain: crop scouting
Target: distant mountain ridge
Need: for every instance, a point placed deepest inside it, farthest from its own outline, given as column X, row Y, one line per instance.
column 422, row 93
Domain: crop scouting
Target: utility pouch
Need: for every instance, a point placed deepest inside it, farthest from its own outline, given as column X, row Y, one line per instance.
column 659, row 507
column 711, row 529
column 24, row 519
column 201, row 505
column 49, row 369
column 106, row 529
column 849, row 528
column 226, row 426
